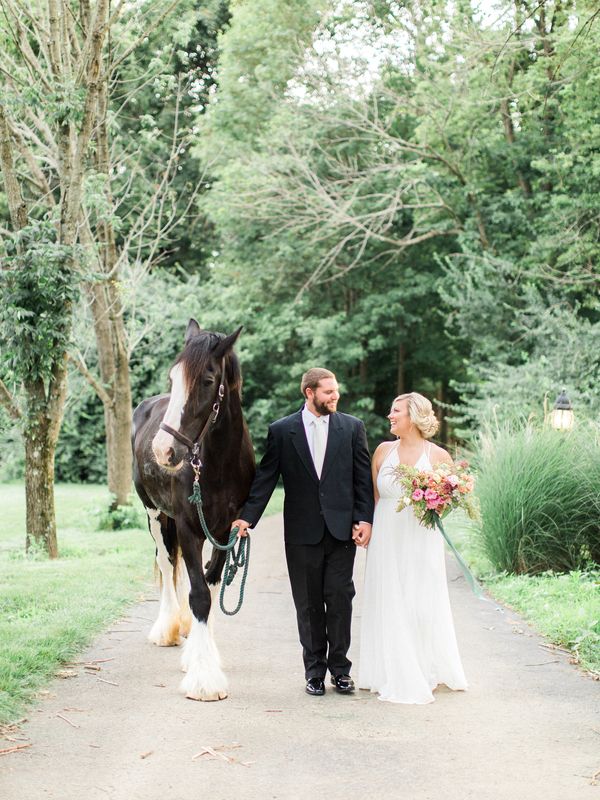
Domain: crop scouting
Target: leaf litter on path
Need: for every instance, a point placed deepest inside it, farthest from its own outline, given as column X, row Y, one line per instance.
column 216, row 753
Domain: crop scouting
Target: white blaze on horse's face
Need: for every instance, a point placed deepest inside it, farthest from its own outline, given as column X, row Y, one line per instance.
column 163, row 443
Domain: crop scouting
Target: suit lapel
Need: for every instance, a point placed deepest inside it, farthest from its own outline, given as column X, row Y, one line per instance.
column 334, row 439
column 298, row 435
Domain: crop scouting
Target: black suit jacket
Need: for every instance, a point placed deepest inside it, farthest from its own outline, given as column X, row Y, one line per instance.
column 343, row 495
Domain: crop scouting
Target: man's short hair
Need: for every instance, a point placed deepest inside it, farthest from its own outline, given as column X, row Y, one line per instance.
column 312, row 378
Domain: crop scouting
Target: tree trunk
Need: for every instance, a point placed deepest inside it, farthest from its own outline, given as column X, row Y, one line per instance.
column 114, row 372
column 39, row 491
column 118, row 437
column 41, row 429
column 111, row 336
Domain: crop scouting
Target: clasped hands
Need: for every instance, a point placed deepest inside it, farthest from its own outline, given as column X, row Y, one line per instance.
column 361, row 531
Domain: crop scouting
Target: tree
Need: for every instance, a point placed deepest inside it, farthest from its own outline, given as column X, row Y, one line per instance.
column 329, row 220
column 140, row 207
column 54, row 145
column 71, row 81
column 441, row 191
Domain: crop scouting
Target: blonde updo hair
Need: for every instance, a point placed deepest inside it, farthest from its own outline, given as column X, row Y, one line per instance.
column 421, row 413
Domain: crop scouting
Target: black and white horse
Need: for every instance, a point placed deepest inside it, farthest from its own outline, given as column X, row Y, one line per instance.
column 204, row 407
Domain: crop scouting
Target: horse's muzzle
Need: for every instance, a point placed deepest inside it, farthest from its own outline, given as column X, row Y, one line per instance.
column 168, row 454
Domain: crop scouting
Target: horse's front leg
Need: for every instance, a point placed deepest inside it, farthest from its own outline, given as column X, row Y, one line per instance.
column 166, row 629
column 213, row 576
column 204, row 679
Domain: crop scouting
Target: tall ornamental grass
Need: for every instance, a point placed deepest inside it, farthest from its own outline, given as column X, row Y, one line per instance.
column 539, row 491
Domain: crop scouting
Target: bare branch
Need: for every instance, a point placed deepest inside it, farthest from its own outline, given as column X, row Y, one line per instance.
column 77, row 360
column 9, row 402
column 93, row 78
column 16, row 203
column 37, row 174
column 54, row 43
column 21, row 41
column 143, row 35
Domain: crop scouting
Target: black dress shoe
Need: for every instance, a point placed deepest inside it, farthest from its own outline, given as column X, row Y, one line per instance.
column 343, row 683
column 315, row 686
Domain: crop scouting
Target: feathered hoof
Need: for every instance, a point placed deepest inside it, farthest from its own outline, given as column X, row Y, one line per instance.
column 207, row 697
column 165, row 634
column 185, row 625
column 204, row 687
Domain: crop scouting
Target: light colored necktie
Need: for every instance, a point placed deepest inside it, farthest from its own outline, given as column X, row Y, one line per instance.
column 319, row 444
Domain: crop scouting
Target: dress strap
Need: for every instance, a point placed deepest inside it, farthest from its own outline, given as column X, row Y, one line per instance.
column 393, row 449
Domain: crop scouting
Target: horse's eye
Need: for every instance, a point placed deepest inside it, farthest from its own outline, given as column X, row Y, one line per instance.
column 209, row 381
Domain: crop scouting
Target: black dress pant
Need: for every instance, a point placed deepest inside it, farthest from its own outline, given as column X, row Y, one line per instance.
column 322, row 588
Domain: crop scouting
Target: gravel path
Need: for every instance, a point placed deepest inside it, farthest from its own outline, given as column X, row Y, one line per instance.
column 527, row 729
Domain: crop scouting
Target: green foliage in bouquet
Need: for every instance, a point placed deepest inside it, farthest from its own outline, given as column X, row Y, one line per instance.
column 539, row 498
column 437, row 492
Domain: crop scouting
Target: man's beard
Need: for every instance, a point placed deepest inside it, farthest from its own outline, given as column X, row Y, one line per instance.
column 321, row 408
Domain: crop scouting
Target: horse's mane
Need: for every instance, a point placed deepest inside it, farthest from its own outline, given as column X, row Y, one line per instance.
column 196, row 356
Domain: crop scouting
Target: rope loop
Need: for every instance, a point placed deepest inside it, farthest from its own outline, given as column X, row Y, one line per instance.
column 234, row 560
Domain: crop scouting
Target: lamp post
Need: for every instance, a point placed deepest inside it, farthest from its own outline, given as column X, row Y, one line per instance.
column 561, row 416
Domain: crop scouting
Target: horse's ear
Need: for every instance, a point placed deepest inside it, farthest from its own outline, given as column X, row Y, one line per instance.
column 227, row 343
column 193, row 329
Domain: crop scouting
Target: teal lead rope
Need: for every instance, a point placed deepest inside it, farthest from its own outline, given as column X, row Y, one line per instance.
column 234, row 560
column 470, row 578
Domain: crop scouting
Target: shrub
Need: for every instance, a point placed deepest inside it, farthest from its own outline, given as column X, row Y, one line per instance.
column 540, row 504
column 116, row 518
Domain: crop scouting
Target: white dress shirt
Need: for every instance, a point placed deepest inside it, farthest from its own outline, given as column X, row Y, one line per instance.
column 309, row 428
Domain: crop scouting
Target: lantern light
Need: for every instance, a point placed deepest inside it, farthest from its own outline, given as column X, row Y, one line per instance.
column 561, row 416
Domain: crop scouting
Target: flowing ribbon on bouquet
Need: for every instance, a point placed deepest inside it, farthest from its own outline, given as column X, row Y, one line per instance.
column 469, row 577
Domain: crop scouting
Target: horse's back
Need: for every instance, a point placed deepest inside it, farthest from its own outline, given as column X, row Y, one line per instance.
column 145, row 410
column 145, row 422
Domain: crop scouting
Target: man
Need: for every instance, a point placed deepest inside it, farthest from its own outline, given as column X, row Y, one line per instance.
column 324, row 461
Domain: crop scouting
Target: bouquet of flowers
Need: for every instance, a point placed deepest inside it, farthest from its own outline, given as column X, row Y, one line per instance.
column 435, row 494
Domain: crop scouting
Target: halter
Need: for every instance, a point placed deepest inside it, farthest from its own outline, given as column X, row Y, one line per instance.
column 194, row 445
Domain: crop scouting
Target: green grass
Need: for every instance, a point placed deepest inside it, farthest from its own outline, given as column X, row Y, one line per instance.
column 538, row 491
column 50, row 610
column 563, row 607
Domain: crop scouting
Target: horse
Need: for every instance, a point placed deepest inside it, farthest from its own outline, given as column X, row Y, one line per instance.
column 203, row 409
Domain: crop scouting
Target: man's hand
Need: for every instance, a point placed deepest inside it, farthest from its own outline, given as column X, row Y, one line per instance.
column 242, row 527
column 361, row 533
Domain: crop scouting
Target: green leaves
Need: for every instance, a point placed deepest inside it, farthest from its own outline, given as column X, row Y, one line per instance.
column 38, row 286
column 539, row 499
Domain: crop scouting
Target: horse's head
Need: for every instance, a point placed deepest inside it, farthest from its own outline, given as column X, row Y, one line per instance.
column 205, row 363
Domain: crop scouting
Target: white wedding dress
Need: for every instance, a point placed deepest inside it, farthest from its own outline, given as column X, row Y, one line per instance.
column 407, row 644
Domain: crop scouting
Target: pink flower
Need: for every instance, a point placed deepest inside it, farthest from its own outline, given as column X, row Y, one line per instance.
column 431, row 495
column 417, row 494
column 433, row 504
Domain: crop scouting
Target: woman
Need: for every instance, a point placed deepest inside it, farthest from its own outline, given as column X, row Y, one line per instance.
column 408, row 645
